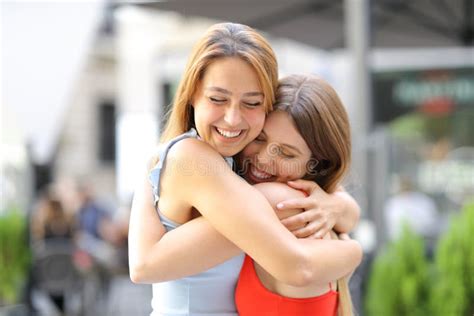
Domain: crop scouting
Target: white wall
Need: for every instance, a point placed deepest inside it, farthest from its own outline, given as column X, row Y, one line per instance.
column 44, row 45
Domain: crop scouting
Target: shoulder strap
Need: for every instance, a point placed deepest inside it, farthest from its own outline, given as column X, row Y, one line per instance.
column 163, row 149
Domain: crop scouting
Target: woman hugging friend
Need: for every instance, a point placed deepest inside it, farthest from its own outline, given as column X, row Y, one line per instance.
column 188, row 229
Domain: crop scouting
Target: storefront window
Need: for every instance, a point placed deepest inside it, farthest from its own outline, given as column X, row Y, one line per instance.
column 430, row 119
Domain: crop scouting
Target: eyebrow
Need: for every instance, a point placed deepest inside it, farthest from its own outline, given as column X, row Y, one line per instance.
column 227, row 92
column 285, row 145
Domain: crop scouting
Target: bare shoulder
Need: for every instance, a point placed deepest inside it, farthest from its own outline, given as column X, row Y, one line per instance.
column 193, row 160
column 276, row 192
column 191, row 149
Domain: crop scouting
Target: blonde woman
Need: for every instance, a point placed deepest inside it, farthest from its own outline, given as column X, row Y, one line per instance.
column 220, row 106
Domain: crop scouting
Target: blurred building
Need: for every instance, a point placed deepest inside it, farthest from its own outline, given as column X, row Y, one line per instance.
column 408, row 87
column 15, row 165
column 85, row 149
column 422, row 108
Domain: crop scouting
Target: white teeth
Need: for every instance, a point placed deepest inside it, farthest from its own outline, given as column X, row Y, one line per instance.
column 259, row 174
column 228, row 134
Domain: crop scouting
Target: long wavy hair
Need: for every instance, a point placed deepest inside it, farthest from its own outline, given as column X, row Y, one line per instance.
column 319, row 116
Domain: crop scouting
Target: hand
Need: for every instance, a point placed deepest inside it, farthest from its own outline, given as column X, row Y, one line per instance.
column 320, row 215
column 344, row 236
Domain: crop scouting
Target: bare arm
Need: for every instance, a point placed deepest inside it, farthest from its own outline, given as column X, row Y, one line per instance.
column 175, row 255
column 145, row 229
column 244, row 216
column 157, row 257
column 350, row 212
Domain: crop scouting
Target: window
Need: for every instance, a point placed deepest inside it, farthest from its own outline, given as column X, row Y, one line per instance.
column 107, row 131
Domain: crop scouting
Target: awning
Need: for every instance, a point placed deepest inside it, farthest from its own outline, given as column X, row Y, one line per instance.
column 320, row 23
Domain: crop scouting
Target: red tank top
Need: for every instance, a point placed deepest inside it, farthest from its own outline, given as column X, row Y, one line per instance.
column 253, row 299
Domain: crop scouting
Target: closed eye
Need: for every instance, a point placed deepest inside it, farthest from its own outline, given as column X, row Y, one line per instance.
column 217, row 100
column 253, row 104
column 288, row 156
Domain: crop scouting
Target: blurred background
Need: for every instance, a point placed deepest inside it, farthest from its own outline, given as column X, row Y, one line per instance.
column 84, row 88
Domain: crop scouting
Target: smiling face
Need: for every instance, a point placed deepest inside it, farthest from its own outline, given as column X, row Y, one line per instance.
column 228, row 105
column 279, row 153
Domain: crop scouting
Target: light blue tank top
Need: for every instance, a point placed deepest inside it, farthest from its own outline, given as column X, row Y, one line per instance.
column 210, row 293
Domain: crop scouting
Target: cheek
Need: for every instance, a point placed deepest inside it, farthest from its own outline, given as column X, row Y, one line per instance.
column 249, row 151
column 246, row 156
column 285, row 171
column 255, row 119
column 290, row 170
column 301, row 169
column 206, row 112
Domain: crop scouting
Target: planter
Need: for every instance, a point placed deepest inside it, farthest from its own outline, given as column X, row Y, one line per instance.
column 14, row 256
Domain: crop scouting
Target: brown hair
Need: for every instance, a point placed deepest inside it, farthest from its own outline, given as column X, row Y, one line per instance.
column 345, row 307
column 222, row 40
column 320, row 118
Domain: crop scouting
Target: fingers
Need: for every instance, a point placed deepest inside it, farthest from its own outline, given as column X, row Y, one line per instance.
column 304, row 185
column 300, row 203
column 316, row 230
column 319, row 234
column 344, row 236
column 292, row 224
column 299, row 220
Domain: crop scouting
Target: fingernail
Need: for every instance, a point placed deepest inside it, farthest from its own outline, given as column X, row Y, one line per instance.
column 280, row 205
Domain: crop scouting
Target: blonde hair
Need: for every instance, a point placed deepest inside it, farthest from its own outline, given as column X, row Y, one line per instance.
column 222, row 40
column 320, row 118
column 345, row 307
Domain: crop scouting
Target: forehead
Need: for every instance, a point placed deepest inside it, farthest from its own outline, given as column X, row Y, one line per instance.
column 231, row 73
column 280, row 128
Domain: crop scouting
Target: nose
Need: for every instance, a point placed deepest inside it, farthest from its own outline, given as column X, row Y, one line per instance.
column 265, row 158
column 233, row 116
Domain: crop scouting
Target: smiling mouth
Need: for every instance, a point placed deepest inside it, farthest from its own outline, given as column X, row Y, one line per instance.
column 229, row 134
column 258, row 174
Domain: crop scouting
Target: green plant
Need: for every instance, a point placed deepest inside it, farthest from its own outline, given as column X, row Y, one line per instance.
column 399, row 282
column 409, row 127
column 453, row 291
column 14, row 255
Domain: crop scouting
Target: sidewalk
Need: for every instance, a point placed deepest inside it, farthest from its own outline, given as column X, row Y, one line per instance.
column 123, row 298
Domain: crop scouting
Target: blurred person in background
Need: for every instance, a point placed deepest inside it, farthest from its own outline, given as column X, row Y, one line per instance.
column 411, row 207
column 122, row 223
column 49, row 219
column 52, row 232
column 98, row 235
column 92, row 219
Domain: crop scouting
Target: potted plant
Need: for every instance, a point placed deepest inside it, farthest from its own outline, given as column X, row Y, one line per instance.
column 399, row 281
column 453, row 286
column 14, row 255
